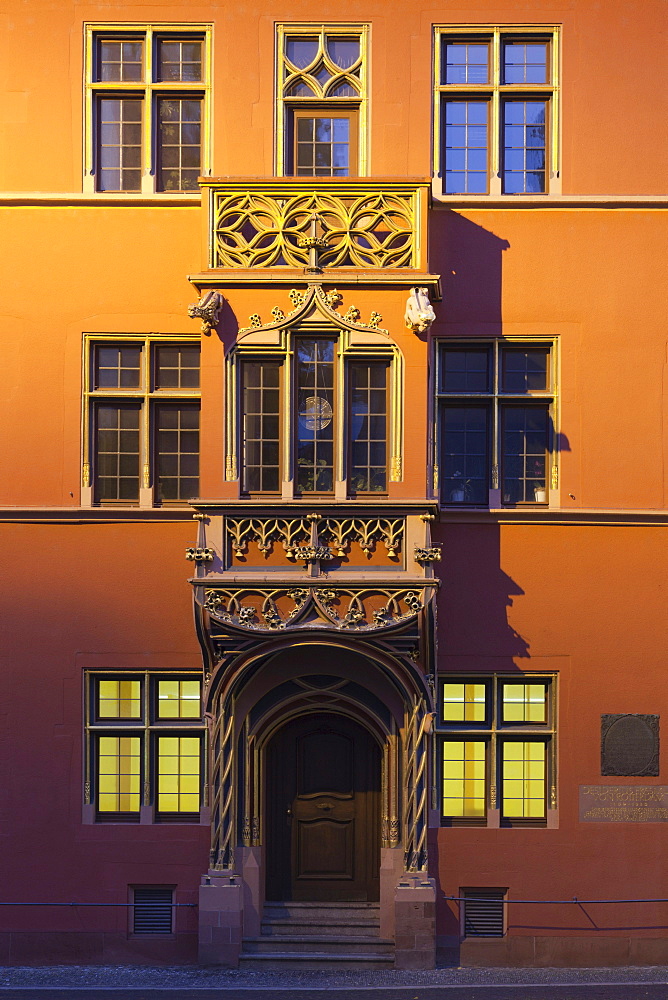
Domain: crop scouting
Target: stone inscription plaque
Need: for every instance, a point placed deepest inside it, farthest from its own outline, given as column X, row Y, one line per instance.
column 624, row 803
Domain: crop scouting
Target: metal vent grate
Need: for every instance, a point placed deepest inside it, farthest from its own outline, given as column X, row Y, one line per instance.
column 483, row 912
column 153, row 909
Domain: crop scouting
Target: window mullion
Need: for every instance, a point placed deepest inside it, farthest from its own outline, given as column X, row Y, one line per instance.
column 88, row 738
column 496, row 424
column 147, row 171
column 493, row 750
column 146, row 491
column 146, row 777
column 554, row 106
column 89, row 113
column 495, row 118
column 342, row 459
column 289, row 405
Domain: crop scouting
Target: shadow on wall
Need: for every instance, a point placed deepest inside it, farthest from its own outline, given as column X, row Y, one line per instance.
column 473, row 602
column 469, row 259
column 227, row 326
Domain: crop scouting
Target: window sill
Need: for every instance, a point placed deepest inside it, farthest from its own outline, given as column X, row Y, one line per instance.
column 494, row 821
column 493, row 507
column 547, row 200
column 102, row 198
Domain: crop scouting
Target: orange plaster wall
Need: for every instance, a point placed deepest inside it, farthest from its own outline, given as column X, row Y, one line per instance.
column 85, row 596
column 584, row 602
column 67, row 271
column 581, row 601
column 590, row 278
column 611, row 140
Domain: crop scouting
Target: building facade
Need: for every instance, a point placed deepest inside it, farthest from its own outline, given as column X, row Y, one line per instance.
column 334, row 489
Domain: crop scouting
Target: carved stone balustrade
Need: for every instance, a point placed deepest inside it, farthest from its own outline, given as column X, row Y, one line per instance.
column 265, row 226
column 287, row 567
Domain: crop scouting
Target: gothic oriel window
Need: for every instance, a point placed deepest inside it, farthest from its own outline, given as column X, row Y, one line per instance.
column 321, row 100
column 147, row 114
column 316, row 416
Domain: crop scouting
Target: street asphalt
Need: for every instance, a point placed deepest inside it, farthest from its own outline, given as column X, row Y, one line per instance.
column 575, row 991
column 123, row 982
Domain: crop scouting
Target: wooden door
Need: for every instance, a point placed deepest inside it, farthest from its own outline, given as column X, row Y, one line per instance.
column 323, row 798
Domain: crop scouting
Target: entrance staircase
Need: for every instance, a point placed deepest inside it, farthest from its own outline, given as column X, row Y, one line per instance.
column 318, row 936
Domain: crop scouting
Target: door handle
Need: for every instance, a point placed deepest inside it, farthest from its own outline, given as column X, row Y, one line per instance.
column 288, row 811
column 326, row 806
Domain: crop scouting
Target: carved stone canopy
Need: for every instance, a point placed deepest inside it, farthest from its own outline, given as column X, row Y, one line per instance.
column 312, row 301
column 299, row 608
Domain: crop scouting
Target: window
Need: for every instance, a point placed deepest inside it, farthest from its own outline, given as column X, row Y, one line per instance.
column 497, row 749
column 340, row 420
column 496, row 110
column 496, row 426
column 147, row 115
column 321, row 100
column 141, row 414
column 145, row 746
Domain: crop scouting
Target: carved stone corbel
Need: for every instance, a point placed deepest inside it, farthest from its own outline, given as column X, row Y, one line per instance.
column 208, row 310
column 419, row 311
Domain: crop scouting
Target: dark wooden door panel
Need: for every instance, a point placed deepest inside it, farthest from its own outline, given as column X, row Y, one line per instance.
column 324, row 849
column 322, row 799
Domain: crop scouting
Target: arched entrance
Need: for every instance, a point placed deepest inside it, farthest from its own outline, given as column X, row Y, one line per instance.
column 322, row 800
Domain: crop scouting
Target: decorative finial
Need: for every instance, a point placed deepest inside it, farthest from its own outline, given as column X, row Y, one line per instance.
column 315, row 244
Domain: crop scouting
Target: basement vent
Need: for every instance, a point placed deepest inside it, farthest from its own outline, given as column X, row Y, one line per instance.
column 152, row 910
column 483, row 912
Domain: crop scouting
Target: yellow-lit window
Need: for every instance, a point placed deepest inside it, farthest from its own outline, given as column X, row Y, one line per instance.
column 523, row 772
column 119, row 699
column 178, row 773
column 464, row 702
column 464, row 767
column 179, row 699
column 525, row 703
column 119, row 773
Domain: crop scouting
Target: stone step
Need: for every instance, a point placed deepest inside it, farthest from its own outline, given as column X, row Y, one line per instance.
column 349, row 928
column 277, row 961
column 321, row 912
column 329, row 944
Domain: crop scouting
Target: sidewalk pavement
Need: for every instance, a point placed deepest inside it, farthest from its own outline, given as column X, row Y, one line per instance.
column 209, row 978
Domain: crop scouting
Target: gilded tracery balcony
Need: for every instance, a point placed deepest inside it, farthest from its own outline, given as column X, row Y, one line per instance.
column 368, row 225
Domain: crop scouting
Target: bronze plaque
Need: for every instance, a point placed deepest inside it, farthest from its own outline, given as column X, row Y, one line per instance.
column 630, row 745
column 624, row 803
